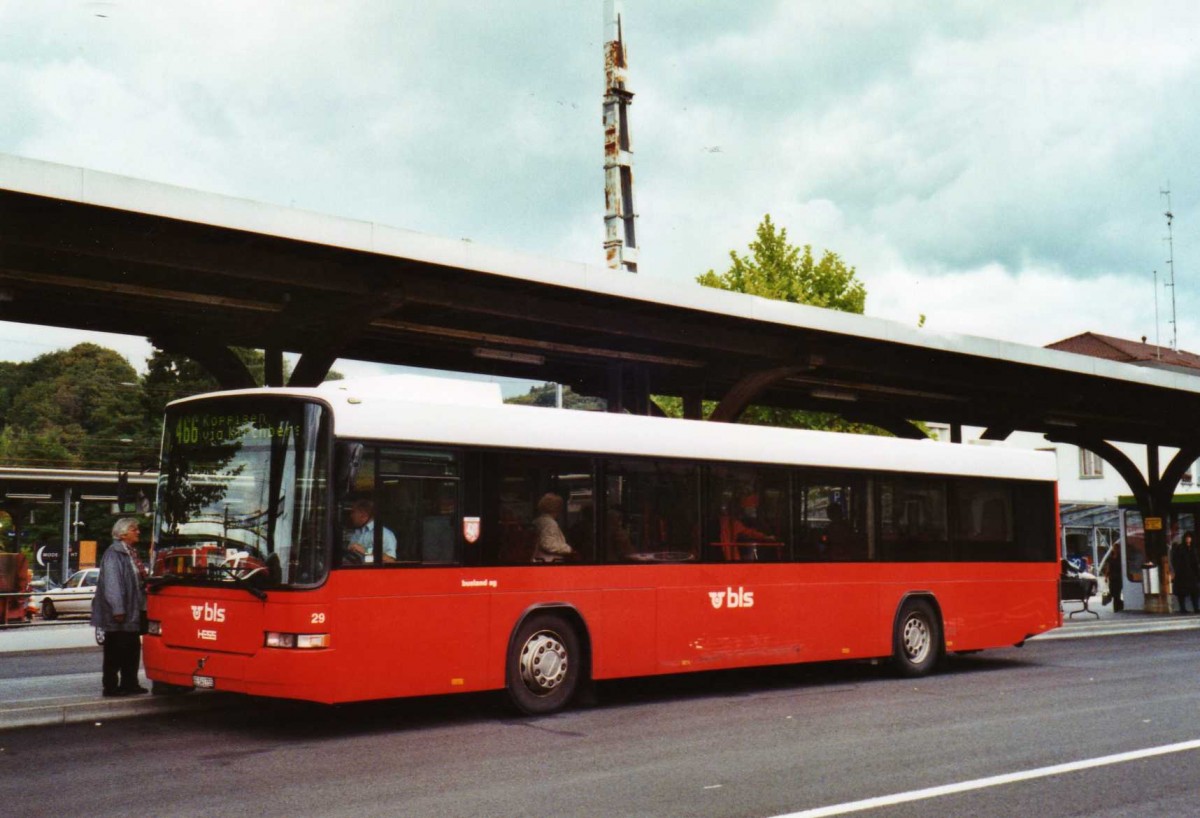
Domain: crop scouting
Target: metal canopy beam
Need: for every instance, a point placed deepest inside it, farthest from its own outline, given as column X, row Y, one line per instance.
column 87, row 250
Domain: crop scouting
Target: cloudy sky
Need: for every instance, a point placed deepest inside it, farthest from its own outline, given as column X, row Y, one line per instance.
column 994, row 167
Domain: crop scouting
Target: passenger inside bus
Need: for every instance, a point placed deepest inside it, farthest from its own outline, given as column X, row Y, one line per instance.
column 549, row 545
column 620, row 546
column 746, row 531
column 839, row 540
column 437, row 527
column 359, row 548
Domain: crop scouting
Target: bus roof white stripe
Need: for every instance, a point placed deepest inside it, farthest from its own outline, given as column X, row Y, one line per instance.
column 378, row 415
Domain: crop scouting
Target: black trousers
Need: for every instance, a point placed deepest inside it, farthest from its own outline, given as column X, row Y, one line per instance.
column 122, row 656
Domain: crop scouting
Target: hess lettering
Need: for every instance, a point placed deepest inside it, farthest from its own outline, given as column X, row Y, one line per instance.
column 729, row 598
column 209, row 612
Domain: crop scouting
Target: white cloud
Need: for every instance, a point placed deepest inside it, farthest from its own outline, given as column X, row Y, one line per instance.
column 960, row 157
column 1035, row 306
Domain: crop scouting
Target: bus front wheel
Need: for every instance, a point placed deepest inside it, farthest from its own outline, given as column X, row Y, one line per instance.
column 544, row 662
column 917, row 642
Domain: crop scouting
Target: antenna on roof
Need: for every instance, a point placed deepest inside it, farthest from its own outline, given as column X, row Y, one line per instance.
column 1171, row 265
column 1157, row 348
column 620, row 241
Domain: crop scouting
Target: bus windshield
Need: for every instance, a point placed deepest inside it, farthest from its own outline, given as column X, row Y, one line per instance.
column 242, row 493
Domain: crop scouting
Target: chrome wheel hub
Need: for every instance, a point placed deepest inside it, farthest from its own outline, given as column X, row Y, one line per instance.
column 543, row 662
column 917, row 639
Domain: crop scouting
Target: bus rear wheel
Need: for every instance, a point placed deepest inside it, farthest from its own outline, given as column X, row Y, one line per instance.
column 917, row 641
column 544, row 663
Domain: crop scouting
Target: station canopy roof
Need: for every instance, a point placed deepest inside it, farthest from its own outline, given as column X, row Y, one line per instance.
column 89, row 250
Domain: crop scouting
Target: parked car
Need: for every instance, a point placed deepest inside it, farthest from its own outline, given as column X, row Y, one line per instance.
column 74, row 597
column 43, row 583
column 40, row 586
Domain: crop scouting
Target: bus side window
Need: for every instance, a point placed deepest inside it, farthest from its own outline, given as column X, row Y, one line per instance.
column 419, row 500
column 361, row 488
column 518, row 484
column 658, row 507
column 833, row 518
column 984, row 520
column 913, row 520
column 747, row 514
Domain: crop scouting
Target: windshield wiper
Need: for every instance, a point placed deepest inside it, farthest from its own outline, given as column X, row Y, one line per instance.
column 242, row 582
column 154, row 583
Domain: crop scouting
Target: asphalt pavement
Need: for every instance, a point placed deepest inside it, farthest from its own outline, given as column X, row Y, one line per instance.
column 71, row 697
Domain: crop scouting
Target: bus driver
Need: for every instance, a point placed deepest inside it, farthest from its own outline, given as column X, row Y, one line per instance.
column 360, row 547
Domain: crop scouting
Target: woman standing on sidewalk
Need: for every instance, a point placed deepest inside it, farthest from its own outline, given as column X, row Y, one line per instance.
column 1185, row 573
column 119, row 609
column 1116, row 578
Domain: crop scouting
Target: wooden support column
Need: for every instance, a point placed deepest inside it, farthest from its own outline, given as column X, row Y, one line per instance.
column 616, row 391
column 217, row 359
column 273, row 366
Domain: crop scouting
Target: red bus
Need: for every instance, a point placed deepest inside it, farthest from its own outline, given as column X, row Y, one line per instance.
column 532, row 549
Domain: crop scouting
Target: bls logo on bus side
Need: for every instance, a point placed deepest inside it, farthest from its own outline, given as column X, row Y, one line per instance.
column 209, row 612
column 729, row 598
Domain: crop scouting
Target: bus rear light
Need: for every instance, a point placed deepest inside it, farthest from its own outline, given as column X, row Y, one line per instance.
column 299, row 641
column 154, row 627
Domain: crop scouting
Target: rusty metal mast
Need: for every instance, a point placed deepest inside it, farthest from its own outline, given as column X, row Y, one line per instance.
column 620, row 240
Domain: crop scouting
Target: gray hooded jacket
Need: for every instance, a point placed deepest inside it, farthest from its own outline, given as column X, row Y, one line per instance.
column 118, row 591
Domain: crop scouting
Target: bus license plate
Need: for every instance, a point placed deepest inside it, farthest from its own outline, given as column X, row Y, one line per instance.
column 203, row 682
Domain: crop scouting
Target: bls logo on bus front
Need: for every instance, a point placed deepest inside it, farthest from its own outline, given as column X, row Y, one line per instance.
column 729, row 598
column 209, row 612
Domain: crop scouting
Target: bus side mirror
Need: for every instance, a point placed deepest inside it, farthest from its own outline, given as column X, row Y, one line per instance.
column 347, row 459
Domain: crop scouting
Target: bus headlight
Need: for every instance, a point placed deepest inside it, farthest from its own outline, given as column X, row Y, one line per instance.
column 299, row 641
column 153, row 627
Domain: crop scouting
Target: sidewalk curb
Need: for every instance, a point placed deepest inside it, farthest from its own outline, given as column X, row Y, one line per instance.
column 100, row 710
column 1109, row 627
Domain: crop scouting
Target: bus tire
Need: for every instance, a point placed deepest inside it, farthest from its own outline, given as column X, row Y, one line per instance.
column 917, row 640
column 544, row 663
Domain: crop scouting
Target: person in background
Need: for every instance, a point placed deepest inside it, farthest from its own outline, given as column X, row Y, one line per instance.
column 1185, row 573
column 1116, row 578
column 550, row 544
column 745, row 530
column 119, row 609
column 360, row 548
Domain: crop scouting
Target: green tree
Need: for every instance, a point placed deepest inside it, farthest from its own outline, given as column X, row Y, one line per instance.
column 778, row 270
column 781, row 271
column 76, row 408
column 544, row 395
